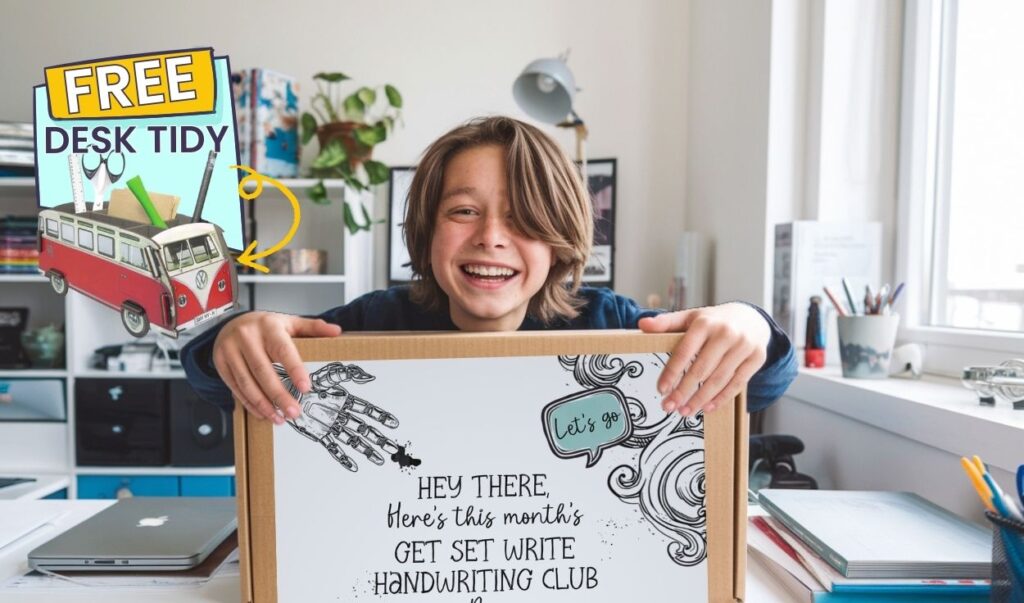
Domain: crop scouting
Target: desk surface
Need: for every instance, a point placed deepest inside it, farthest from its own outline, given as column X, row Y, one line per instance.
column 761, row 587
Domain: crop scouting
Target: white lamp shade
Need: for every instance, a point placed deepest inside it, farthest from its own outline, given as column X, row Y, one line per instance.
column 545, row 90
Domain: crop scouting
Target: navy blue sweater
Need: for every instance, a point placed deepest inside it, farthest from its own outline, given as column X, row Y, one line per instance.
column 393, row 310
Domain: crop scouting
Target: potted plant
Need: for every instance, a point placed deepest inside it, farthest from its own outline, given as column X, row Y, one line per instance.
column 347, row 129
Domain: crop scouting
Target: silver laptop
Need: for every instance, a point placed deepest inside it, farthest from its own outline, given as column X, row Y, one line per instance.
column 141, row 534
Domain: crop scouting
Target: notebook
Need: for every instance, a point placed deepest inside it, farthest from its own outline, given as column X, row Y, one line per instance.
column 19, row 520
column 141, row 533
column 883, row 534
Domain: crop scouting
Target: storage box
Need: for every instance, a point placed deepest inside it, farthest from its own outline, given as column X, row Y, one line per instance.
column 120, row 422
column 201, row 433
column 538, row 466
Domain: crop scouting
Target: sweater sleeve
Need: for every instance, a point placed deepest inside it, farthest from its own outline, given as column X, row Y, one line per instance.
column 768, row 383
column 197, row 355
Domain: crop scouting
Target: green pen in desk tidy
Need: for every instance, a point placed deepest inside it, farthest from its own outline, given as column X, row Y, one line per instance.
column 135, row 185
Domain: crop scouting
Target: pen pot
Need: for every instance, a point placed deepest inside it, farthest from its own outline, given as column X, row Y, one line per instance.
column 1007, row 558
column 865, row 344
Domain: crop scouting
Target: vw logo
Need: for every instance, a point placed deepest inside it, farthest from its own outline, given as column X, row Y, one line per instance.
column 201, row 279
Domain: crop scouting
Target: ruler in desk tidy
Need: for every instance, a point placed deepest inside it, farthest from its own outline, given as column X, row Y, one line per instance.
column 77, row 191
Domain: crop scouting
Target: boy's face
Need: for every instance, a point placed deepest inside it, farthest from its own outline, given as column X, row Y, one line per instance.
column 489, row 270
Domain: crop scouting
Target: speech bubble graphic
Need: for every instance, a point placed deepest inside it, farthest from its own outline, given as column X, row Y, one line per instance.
column 585, row 423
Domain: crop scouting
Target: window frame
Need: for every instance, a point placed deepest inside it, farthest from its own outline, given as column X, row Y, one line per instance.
column 923, row 158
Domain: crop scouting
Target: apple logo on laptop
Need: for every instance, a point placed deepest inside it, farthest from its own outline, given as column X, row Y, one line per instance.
column 152, row 522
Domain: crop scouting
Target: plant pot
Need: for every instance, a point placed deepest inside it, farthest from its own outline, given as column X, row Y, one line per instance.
column 345, row 132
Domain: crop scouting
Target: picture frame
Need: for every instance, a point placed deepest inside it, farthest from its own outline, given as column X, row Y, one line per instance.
column 601, row 183
column 399, row 181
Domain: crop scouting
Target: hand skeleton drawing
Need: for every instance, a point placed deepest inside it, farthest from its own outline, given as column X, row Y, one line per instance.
column 335, row 418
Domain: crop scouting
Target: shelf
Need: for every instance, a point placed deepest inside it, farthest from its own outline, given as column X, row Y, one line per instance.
column 23, row 278
column 18, row 182
column 291, row 279
column 33, row 373
column 164, row 470
column 101, row 374
column 300, row 183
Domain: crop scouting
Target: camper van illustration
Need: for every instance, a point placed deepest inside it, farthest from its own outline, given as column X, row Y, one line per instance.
column 168, row 279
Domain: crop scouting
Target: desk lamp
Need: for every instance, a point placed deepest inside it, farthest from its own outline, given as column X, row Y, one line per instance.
column 545, row 91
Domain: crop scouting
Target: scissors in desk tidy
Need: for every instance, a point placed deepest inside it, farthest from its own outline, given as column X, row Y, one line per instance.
column 102, row 171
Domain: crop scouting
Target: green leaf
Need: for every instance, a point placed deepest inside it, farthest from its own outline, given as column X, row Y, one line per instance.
column 371, row 135
column 308, row 126
column 394, row 97
column 354, row 107
column 332, row 77
column 389, row 123
column 377, row 171
column 318, row 193
column 366, row 95
column 330, row 156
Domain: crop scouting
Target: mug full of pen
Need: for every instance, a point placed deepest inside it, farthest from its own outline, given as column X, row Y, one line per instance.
column 866, row 339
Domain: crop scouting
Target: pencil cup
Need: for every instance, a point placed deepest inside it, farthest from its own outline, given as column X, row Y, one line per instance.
column 865, row 344
column 1007, row 558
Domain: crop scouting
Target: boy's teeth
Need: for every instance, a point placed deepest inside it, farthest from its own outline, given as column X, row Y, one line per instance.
column 489, row 270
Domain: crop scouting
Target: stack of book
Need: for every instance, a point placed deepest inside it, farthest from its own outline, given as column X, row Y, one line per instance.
column 850, row 546
column 17, row 157
column 19, row 251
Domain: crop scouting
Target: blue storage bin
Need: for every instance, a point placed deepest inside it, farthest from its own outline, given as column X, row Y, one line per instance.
column 207, row 485
column 106, row 486
column 61, row 494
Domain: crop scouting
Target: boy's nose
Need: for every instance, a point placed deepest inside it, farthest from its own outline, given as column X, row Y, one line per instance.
column 493, row 232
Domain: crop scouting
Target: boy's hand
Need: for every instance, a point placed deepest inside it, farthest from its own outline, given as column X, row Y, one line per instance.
column 246, row 349
column 722, row 349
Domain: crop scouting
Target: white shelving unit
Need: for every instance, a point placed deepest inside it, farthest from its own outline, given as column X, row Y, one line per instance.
column 49, row 447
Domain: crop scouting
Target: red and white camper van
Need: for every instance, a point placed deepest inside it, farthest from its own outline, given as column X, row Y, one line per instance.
column 169, row 279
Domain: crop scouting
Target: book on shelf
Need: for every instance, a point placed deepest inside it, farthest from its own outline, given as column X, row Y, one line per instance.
column 879, row 534
column 267, row 115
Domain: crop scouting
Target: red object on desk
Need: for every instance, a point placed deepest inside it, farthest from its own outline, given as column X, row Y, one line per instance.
column 814, row 358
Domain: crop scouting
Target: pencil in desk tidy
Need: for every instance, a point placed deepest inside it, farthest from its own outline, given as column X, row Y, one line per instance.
column 136, row 187
column 835, row 301
column 978, row 483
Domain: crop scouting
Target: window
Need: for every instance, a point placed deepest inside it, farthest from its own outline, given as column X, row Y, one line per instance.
column 85, row 238
column 105, row 245
column 970, row 185
column 51, row 227
column 67, row 232
column 177, row 255
column 132, row 255
column 201, row 248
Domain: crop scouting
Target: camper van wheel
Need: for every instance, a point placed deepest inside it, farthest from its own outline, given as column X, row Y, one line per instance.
column 134, row 320
column 59, row 283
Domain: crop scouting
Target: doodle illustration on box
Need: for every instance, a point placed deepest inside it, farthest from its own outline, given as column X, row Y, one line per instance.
column 666, row 480
column 336, row 418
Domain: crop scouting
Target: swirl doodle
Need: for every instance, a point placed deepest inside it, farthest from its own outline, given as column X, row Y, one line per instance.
column 667, row 481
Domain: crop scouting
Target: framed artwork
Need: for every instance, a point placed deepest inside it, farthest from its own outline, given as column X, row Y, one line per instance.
column 399, row 181
column 601, row 183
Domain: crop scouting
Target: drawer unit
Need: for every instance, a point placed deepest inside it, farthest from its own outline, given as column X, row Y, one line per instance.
column 207, row 485
column 201, row 433
column 121, row 422
column 107, row 486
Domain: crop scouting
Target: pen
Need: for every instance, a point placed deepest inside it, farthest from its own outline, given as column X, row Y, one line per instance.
column 978, row 483
column 849, row 296
column 1020, row 484
column 1006, row 507
column 895, row 294
column 835, row 301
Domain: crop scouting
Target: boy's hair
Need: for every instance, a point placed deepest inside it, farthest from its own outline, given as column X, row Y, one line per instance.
column 549, row 204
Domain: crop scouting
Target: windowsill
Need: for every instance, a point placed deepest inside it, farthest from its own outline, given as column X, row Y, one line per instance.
column 935, row 411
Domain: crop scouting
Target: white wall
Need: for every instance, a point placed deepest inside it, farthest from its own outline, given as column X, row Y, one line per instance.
column 452, row 60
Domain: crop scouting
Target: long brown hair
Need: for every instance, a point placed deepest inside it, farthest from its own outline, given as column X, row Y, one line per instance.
column 549, row 204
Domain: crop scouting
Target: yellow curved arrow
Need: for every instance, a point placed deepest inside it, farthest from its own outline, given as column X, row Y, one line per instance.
column 248, row 258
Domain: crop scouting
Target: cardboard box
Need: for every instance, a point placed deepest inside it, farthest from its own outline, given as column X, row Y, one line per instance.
column 542, row 432
column 123, row 204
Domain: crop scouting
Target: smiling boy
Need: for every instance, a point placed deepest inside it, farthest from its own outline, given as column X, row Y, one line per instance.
column 499, row 228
